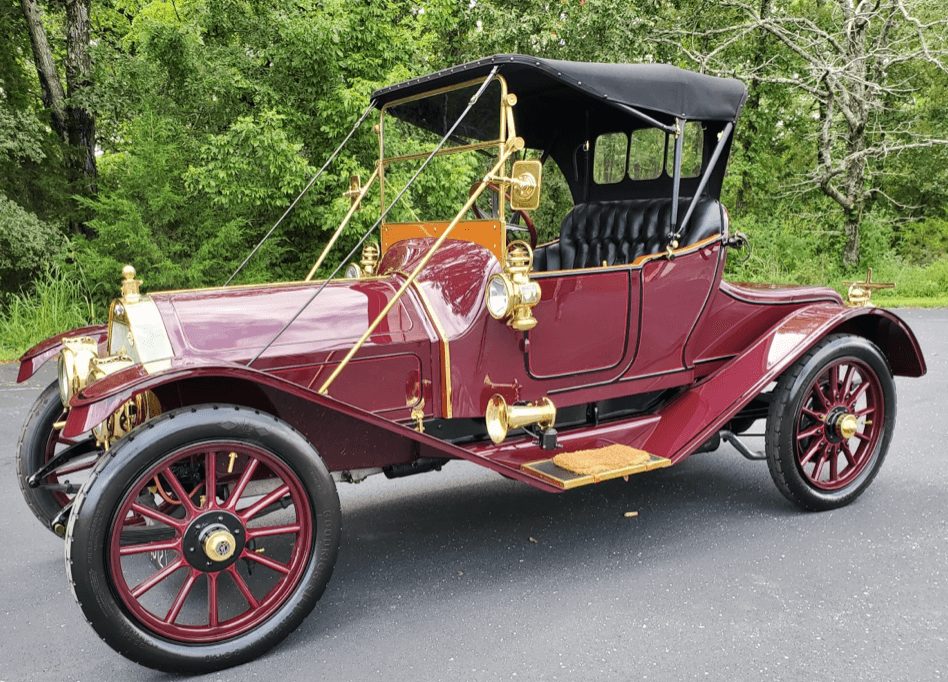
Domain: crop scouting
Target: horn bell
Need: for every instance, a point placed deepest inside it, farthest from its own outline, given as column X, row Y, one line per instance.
column 501, row 417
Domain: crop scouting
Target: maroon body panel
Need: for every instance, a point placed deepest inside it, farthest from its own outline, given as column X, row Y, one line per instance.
column 603, row 333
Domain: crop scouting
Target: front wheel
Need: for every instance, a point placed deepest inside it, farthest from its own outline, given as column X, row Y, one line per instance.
column 830, row 422
column 244, row 525
column 40, row 441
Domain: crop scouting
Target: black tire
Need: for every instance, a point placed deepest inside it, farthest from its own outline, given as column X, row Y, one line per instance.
column 31, row 453
column 785, row 408
column 87, row 535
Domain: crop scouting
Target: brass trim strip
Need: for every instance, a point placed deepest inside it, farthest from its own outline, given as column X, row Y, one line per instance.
column 513, row 145
column 446, row 394
column 342, row 225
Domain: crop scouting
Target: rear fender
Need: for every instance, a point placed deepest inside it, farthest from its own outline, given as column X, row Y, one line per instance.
column 36, row 356
column 702, row 411
column 346, row 436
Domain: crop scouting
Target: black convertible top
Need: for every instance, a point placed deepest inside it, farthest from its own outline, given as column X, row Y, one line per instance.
column 656, row 88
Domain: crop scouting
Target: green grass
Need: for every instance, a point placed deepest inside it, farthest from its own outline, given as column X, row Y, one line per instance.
column 56, row 304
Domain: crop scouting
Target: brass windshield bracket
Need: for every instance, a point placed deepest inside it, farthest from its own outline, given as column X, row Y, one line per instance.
column 345, row 221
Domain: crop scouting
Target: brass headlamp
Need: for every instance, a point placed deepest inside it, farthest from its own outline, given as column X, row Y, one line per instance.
column 511, row 294
column 80, row 363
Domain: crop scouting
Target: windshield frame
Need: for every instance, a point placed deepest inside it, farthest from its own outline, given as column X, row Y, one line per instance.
column 497, row 144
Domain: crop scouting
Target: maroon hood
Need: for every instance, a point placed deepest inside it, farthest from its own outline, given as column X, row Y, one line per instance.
column 235, row 323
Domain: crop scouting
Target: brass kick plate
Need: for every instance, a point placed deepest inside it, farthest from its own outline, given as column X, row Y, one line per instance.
column 548, row 471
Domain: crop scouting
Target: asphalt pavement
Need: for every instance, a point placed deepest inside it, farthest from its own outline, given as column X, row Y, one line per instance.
column 465, row 575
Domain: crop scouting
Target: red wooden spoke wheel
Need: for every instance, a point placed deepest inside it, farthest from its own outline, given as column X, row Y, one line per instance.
column 830, row 421
column 217, row 537
column 243, row 522
column 839, row 424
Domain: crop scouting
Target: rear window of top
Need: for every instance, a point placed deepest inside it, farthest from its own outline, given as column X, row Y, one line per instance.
column 646, row 154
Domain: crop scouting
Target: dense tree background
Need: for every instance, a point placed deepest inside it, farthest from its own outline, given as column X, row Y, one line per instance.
column 173, row 132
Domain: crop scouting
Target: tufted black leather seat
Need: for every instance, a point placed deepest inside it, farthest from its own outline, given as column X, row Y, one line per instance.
column 620, row 231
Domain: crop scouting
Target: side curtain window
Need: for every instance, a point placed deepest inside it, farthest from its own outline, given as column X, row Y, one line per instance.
column 609, row 158
column 691, row 150
column 647, row 154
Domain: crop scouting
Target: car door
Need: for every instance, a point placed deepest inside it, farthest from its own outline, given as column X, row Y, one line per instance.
column 587, row 324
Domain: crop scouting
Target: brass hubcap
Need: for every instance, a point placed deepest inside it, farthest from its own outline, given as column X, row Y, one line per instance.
column 847, row 426
column 219, row 545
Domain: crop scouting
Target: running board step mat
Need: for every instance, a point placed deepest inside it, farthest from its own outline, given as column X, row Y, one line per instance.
column 587, row 467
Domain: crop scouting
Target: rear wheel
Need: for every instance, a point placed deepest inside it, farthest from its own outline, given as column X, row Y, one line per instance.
column 830, row 422
column 244, row 519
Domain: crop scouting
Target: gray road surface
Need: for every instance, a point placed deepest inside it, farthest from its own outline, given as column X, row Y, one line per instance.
column 466, row 575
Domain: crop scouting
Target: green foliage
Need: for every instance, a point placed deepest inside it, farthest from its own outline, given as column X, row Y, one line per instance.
column 26, row 245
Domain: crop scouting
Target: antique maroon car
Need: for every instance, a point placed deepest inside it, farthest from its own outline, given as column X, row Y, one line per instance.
column 188, row 452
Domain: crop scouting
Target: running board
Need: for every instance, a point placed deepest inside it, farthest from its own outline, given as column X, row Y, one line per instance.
column 567, row 479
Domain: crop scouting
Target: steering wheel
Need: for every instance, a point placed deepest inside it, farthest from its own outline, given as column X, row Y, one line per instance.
column 517, row 214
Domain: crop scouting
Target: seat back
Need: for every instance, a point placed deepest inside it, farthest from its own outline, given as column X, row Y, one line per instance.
column 617, row 232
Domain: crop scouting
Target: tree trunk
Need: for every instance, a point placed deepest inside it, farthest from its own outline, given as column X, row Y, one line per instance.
column 53, row 97
column 851, row 247
column 78, row 81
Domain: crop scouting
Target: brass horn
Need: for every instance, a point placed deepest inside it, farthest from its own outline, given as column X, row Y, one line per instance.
column 501, row 417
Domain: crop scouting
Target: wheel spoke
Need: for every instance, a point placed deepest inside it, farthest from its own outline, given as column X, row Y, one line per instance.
column 182, row 597
column 179, row 490
column 812, row 431
column 142, row 587
column 818, row 470
column 812, row 413
column 848, row 379
column 834, row 382
column 272, row 530
column 157, row 546
column 210, row 479
column 848, row 454
column 823, row 398
column 248, row 513
column 241, row 484
column 212, row 599
column 856, row 393
column 156, row 515
column 266, row 561
column 242, row 586
column 861, row 436
column 833, row 458
column 864, row 413
column 816, row 447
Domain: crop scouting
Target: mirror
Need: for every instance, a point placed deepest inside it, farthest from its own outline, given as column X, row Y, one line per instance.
column 525, row 185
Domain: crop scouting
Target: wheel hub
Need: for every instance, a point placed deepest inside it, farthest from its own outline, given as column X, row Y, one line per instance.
column 214, row 541
column 840, row 425
column 847, row 426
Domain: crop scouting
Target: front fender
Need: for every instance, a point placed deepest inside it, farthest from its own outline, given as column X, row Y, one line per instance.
column 347, row 437
column 36, row 356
